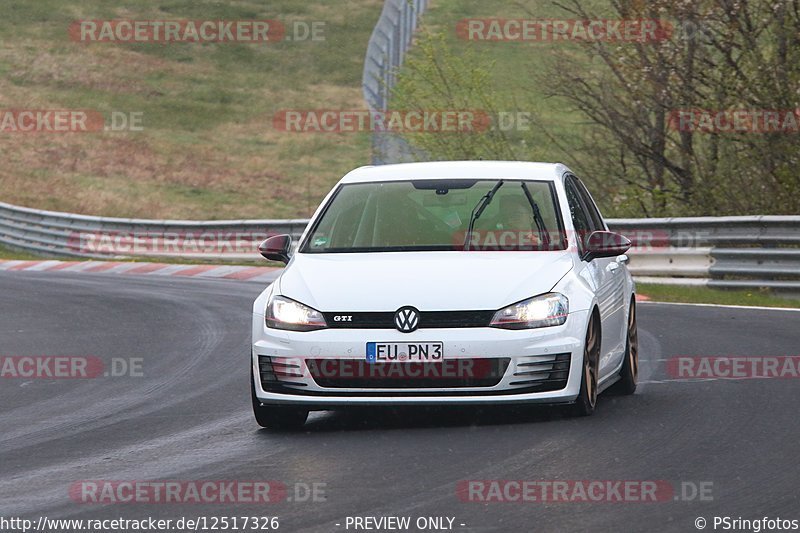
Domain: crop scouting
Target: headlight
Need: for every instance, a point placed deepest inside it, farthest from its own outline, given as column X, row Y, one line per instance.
column 538, row 312
column 285, row 313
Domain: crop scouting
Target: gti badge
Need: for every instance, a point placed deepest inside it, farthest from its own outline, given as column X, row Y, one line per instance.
column 406, row 319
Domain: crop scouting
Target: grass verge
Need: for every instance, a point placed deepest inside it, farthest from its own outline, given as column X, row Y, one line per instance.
column 10, row 254
column 206, row 146
column 706, row 295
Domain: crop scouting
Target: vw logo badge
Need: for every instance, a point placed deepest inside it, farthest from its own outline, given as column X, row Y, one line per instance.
column 406, row 319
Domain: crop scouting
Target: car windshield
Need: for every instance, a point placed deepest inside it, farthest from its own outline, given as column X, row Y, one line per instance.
column 432, row 215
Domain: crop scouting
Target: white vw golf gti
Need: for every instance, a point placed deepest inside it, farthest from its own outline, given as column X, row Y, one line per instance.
column 472, row 282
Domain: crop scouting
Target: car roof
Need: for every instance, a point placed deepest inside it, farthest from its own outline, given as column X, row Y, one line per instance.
column 457, row 169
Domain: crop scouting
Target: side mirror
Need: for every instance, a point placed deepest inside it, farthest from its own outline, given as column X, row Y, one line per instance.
column 605, row 244
column 276, row 248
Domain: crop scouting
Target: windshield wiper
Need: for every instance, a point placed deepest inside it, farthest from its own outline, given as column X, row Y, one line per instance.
column 478, row 211
column 537, row 217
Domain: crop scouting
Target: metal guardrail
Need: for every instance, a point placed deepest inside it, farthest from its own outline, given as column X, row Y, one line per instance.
column 386, row 50
column 66, row 234
column 733, row 252
column 751, row 251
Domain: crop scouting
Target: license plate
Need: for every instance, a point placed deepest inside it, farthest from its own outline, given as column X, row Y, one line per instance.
column 394, row 352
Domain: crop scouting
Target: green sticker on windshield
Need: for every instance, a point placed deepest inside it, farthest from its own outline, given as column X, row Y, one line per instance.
column 320, row 241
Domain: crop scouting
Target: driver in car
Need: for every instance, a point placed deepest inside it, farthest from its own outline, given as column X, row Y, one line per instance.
column 516, row 216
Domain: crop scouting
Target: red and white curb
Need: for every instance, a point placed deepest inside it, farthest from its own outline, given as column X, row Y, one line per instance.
column 265, row 274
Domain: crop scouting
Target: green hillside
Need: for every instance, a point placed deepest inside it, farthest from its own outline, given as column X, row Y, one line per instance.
column 207, row 147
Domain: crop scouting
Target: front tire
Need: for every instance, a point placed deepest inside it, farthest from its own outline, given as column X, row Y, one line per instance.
column 586, row 401
column 276, row 416
column 629, row 374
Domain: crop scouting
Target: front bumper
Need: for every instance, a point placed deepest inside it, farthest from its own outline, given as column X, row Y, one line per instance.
column 529, row 354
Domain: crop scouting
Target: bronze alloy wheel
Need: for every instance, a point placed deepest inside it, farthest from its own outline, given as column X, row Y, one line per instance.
column 587, row 397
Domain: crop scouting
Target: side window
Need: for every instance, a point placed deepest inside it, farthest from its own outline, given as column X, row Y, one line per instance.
column 591, row 207
column 580, row 220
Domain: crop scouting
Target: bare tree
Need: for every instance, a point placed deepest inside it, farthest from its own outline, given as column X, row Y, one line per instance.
column 722, row 55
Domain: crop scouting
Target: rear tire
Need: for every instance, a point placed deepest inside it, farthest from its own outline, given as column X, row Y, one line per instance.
column 276, row 416
column 629, row 374
column 586, row 401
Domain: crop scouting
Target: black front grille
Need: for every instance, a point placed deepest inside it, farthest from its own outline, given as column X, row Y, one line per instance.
column 531, row 374
column 428, row 319
column 452, row 373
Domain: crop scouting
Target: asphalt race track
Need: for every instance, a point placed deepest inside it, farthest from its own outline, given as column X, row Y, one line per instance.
column 188, row 417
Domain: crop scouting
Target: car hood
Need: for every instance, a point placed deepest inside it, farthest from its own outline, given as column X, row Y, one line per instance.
column 431, row 281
